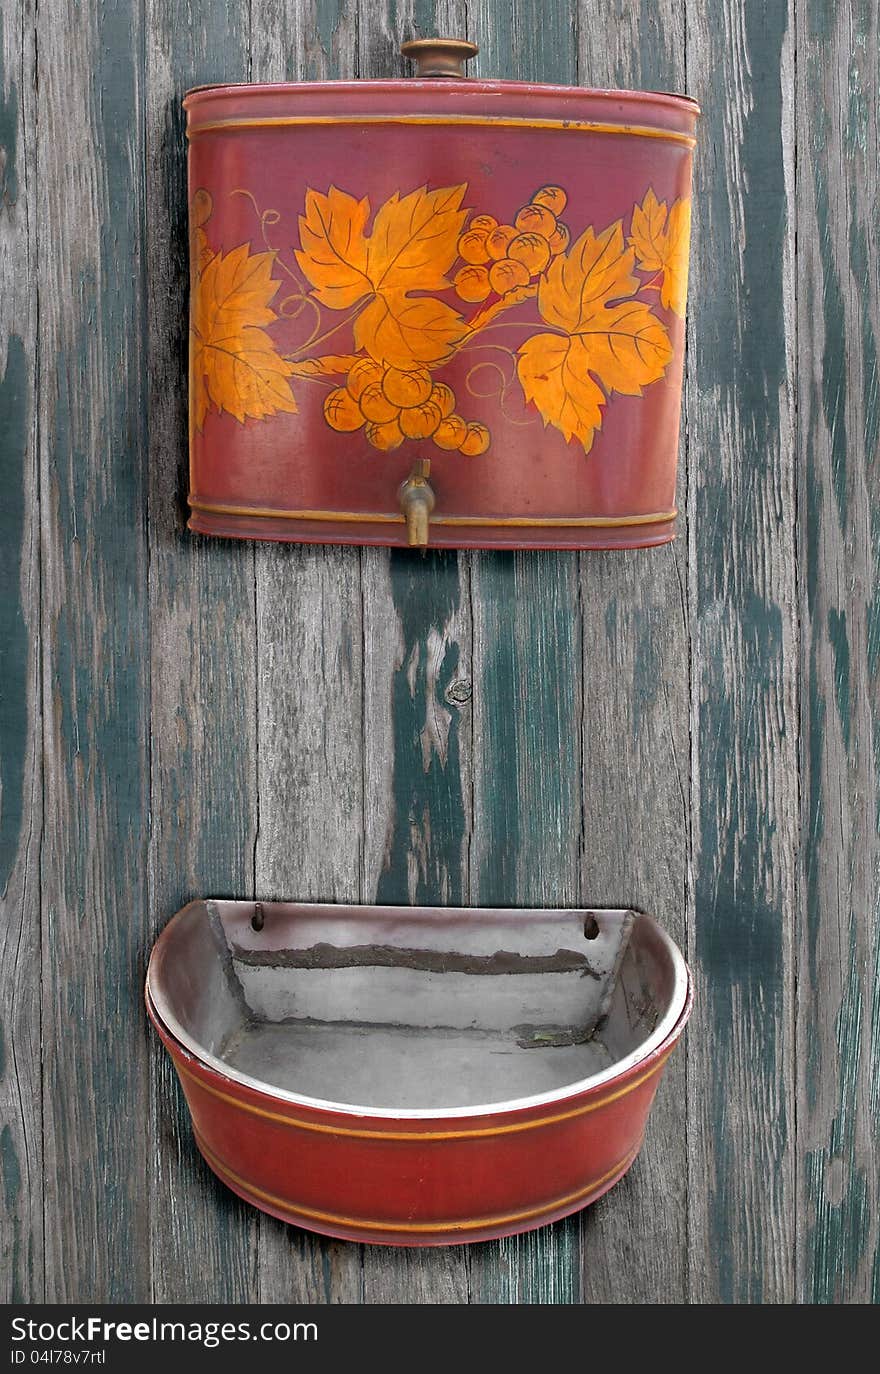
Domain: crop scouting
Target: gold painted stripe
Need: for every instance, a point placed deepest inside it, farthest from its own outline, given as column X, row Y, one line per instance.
column 371, row 518
column 412, row 1228
column 587, row 126
column 481, row 1132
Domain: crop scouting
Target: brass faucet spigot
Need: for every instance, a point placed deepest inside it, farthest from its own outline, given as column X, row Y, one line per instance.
column 416, row 498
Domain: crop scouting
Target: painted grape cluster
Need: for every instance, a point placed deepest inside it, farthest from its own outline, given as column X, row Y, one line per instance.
column 501, row 257
column 392, row 404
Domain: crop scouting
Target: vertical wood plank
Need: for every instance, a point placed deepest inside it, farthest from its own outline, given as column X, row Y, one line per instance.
column 357, row 763
column 417, row 775
column 309, row 689
column 839, row 409
column 93, row 455
column 203, row 794
column 744, row 624
column 636, row 754
column 416, row 714
column 527, row 702
column 21, row 1131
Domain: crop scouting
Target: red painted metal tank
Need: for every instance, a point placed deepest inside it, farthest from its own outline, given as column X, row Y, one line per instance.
column 446, row 311
column 417, row 1076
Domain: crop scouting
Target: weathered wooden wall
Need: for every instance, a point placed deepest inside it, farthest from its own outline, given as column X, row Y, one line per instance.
column 694, row 730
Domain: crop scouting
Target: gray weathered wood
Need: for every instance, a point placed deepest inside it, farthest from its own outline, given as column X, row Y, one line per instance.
column 309, row 695
column 742, row 544
column 693, row 730
column 528, row 705
column 21, row 775
column 416, row 746
column 90, row 214
column 203, row 679
column 417, row 769
column 839, row 463
column 636, row 753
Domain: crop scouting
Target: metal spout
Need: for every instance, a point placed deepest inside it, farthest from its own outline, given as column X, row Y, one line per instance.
column 417, row 501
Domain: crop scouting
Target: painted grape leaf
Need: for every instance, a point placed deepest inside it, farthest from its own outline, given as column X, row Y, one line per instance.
column 235, row 364
column 603, row 342
column 414, row 240
column 333, row 255
column 399, row 330
column 661, row 240
column 579, row 283
column 555, row 373
column 412, row 245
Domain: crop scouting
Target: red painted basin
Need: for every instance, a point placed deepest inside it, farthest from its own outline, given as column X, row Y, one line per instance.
column 416, row 1076
column 489, row 276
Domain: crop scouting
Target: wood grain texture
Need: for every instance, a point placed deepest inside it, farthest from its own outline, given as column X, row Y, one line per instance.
column 21, row 774
column 416, row 735
column 527, row 656
column 742, row 598
column 93, row 465
column 694, row 730
column 839, row 407
column 203, row 678
column 636, row 752
column 309, row 695
column 417, row 767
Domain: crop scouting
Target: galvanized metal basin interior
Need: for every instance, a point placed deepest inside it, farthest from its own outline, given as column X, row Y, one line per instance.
column 407, row 1010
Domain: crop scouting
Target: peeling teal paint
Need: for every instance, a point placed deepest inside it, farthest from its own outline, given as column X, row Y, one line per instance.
column 11, row 1172
column 656, row 60
column 820, row 16
column 863, row 264
column 327, row 18
column 528, row 775
column 815, row 814
column 835, row 380
column 425, row 858
column 857, row 115
column 840, row 647
column 741, row 350
column 15, row 405
column 840, row 1192
column 8, row 135
column 10, row 1167
column 647, row 683
column 97, row 706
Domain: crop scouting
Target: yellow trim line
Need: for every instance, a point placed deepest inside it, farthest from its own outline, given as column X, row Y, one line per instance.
column 371, row 518
column 480, row 1132
column 295, row 1211
column 583, row 126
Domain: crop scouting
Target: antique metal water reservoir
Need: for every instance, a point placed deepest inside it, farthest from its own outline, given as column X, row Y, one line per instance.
column 437, row 310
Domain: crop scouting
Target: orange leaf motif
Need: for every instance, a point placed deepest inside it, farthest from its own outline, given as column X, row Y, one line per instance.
column 605, row 342
column 412, row 245
column 555, row 374
column 399, row 330
column 234, row 363
column 334, row 248
column 661, row 240
column 414, row 240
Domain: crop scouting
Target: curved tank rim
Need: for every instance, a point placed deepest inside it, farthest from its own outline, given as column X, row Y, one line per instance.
column 467, row 86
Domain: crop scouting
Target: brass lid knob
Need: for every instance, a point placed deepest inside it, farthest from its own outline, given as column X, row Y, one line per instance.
column 439, row 56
